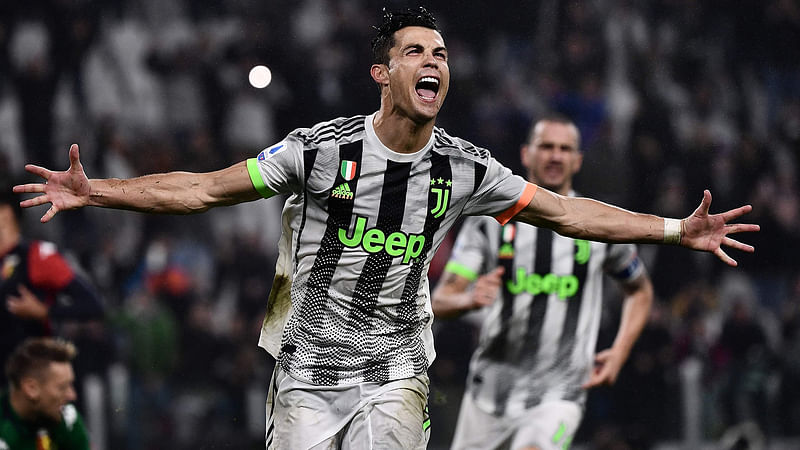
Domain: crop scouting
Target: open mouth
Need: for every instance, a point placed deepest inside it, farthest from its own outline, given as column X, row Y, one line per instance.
column 427, row 88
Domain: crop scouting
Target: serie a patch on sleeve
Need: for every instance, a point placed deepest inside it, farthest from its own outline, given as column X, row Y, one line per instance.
column 269, row 152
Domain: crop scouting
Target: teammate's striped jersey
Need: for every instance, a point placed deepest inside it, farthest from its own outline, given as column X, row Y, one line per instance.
column 538, row 340
column 350, row 301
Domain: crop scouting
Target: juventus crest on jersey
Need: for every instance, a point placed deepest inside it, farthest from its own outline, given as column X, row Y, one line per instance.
column 350, row 302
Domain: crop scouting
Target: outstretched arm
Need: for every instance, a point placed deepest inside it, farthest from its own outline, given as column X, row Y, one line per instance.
column 584, row 218
column 635, row 311
column 166, row 193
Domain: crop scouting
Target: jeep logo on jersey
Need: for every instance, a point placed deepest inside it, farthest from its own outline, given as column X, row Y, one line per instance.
column 409, row 246
column 564, row 285
column 442, row 195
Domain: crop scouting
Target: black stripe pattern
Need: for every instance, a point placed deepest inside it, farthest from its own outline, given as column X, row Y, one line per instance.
column 368, row 286
column 340, row 212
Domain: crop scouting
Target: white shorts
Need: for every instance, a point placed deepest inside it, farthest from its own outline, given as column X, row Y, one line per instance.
column 549, row 426
column 391, row 415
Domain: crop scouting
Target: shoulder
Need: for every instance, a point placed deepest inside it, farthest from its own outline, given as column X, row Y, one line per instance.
column 455, row 146
column 339, row 129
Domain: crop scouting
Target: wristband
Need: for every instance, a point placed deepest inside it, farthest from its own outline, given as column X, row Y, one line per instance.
column 672, row 231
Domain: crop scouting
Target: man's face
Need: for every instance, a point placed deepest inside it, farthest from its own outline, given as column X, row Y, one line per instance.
column 418, row 74
column 553, row 157
column 54, row 390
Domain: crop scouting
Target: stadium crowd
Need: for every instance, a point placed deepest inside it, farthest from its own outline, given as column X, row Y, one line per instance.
column 671, row 97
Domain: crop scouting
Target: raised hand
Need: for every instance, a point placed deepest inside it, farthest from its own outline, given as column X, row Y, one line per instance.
column 709, row 232
column 63, row 190
column 487, row 287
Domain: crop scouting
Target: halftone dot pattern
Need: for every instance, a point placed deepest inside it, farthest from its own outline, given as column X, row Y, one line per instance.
column 359, row 313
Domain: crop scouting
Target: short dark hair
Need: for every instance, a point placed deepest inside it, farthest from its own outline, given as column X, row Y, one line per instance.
column 393, row 21
column 34, row 355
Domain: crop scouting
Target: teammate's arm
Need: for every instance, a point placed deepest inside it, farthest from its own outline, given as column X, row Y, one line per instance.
column 635, row 311
column 167, row 193
column 584, row 218
column 453, row 296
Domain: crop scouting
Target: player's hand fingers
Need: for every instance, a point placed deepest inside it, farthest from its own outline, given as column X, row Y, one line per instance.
column 74, row 157
column 705, row 204
column 49, row 214
column 742, row 228
column 725, row 258
column 733, row 243
column 35, row 201
column 495, row 276
column 27, row 188
column 597, row 378
column 736, row 213
column 602, row 357
column 38, row 170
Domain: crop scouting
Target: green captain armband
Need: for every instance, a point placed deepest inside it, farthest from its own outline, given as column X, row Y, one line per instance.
column 255, row 178
column 461, row 270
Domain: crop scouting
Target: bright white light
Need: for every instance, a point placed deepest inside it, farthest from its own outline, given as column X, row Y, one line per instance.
column 260, row 76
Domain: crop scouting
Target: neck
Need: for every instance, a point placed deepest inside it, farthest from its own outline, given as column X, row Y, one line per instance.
column 20, row 405
column 400, row 133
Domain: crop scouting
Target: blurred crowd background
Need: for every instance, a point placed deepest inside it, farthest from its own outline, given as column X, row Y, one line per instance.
column 671, row 97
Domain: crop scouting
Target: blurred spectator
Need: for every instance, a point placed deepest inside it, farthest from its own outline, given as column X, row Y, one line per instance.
column 150, row 348
column 40, row 289
column 745, row 361
column 37, row 411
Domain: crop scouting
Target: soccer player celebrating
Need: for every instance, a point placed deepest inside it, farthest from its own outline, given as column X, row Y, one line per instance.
column 370, row 200
column 527, row 381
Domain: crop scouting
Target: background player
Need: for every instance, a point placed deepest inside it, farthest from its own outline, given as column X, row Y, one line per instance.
column 527, row 380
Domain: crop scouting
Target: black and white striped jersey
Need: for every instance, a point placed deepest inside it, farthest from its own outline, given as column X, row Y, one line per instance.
column 538, row 340
column 350, row 301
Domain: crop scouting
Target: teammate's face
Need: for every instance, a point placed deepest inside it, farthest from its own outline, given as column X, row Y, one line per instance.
column 553, row 157
column 54, row 390
column 418, row 76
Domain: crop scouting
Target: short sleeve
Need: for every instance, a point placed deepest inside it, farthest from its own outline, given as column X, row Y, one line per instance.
column 623, row 263
column 501, row 194
column 278, row 169
column 472, row 248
